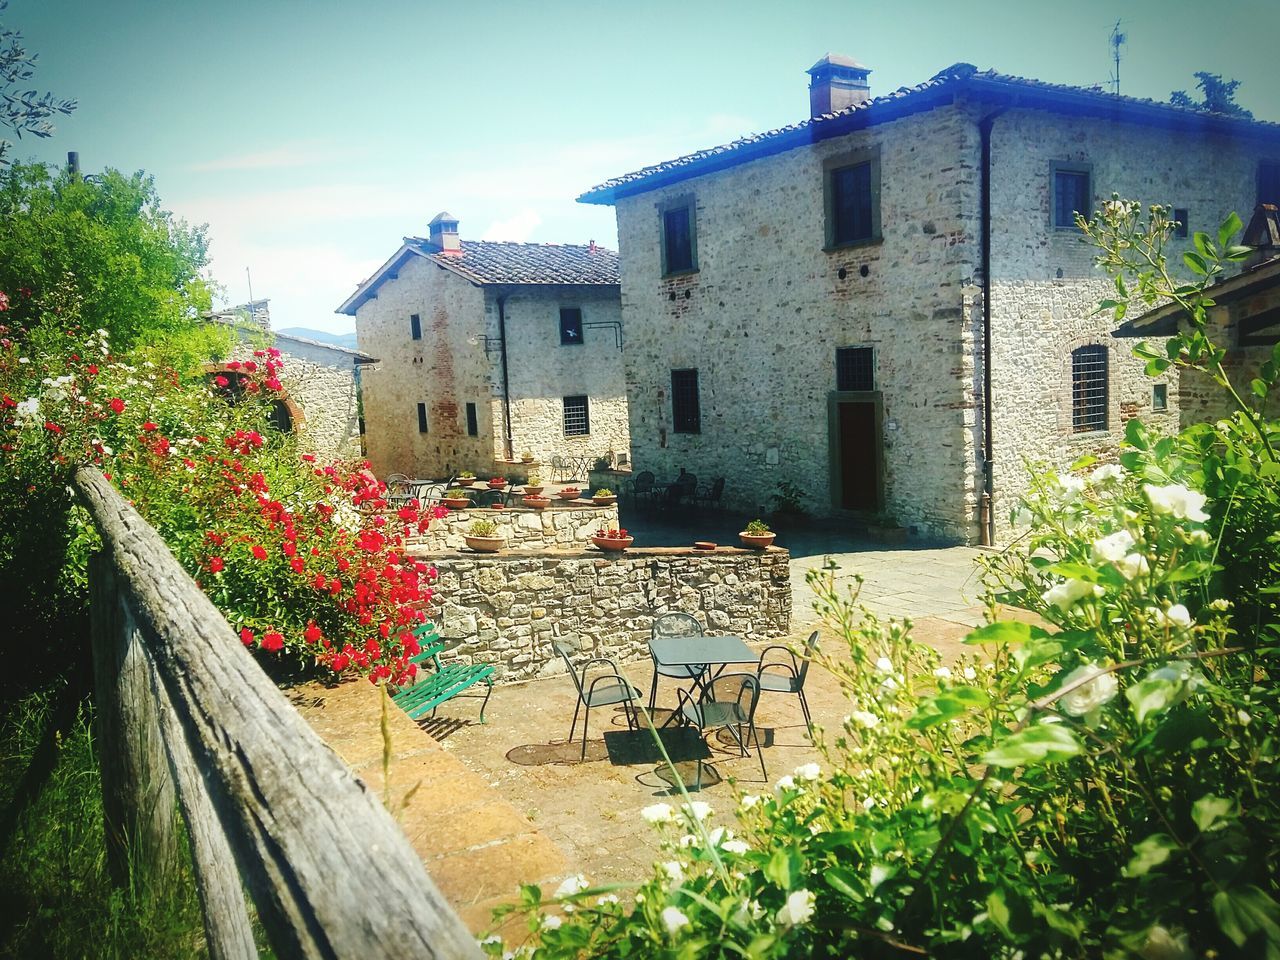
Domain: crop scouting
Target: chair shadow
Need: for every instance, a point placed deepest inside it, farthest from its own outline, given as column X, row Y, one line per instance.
column 621, row 747
column 440, row 729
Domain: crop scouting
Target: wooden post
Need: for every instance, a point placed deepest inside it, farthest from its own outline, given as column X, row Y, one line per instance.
column 137, row 791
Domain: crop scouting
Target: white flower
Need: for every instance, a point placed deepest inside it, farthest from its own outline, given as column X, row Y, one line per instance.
column 1114, row 547
column 1244, row 717
column 607, row 899
column 551, row 923
column 1133, row 565
column 688, row 840
column 674, row 919
column 1176, row 617
column 1220, row 604
column 797, row 909
column 807, row 771
column 1199, row 538
column 1177, row 501
column 1090, row 695
column 751, row 910
column 572, row 886
column 698, row 809
column 674, row 872
column 1106, row 473
column 735, row 846
column 786, row 783
column 1022, row 517
column 889, row 683
column 1067, row 594
column 942, row 673
column 24, row 360
column 1072, row 486
column 864, row 718
column 970, row 673
column 658, row 813
column 868, row 803
column 1163, row 945
column 28, row 409
column 748, row 801
column 884, row 665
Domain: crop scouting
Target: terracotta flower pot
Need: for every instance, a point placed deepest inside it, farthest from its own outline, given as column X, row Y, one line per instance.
column 532, row 491
column 604, row 501
column 456, row 503
column 616, row 544
column 484, row 544
column 471, row 481
column 526, row 459
column 538, row 503
column 757, row 541
column 570, row 494
column 497, row 483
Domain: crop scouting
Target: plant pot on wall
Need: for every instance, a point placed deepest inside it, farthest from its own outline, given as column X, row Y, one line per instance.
column 484, row 544
column 605, row 501
column 533, row 491
column 537, row 503
column 757, row 541
column 456, row 503
column 612, row 544
column 570, row 493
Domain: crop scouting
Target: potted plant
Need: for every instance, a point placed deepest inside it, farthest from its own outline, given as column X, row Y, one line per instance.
column 466, row 477
column 497, row 483
column 612, row 540
column 455, row 498
column 526, row 457
column 570, row 493
column 604, row 497
column 533, row 486
column 483, row 537
column 757, row 535
column 536, row 501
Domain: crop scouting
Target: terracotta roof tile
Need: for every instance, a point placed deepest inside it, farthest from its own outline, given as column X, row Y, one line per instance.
column 484, row 261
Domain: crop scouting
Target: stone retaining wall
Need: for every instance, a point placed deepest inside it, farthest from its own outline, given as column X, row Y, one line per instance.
column 507, row 609
column 521, row 527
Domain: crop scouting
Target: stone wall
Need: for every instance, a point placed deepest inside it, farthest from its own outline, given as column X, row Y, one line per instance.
column 522, row 528
column 508, row 609
column 1199, row 398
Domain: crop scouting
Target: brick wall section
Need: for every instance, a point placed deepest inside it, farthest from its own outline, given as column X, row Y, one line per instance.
column 1199, row 398
column 508, row 609
column 521, row 528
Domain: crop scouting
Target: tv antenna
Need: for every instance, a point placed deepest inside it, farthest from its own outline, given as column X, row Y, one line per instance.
column 1117, row 40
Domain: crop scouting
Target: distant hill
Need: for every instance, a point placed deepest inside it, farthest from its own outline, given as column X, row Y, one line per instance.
column 337, row 339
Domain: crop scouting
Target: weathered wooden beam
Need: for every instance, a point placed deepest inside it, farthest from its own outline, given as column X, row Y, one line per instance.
column 330, row 872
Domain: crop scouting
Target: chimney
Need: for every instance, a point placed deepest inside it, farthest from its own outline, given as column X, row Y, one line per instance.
column 836, row 83
column 444, row 233
column 1263, row 234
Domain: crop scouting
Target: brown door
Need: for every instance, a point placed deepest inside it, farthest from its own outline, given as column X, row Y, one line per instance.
column 858, row 431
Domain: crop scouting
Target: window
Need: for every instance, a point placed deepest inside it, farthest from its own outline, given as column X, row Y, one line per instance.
column 678, row 238
column 415, row 326
column 855, row 368
column 1072, row 193
column 1183, row 217
column 852, row 198
column 1159, row 396
column 686, row 413
column 422, row 418
column 1089, row 388
column 570, row 326
column 1269, row 182
column 473, row 424
column 576, row 421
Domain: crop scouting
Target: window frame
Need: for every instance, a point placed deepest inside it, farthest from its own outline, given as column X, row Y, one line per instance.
column 1183, row 230
column 1083, row 422
column 1263, row 163
column 1161, row 391
column 415, row 326
column 1076, row 168
column 472, row 415
column 874, row 379
column 422, row 418
column 869, row 156
column 686, row 424
column 687, row 203
column 586, row 415
column 582, row 336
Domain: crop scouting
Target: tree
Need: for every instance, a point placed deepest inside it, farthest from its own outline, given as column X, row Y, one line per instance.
column 1219, row 96
column 23, row 111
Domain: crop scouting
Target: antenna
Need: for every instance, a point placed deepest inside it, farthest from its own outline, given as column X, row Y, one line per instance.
column 250, row 279
column 1117, row 40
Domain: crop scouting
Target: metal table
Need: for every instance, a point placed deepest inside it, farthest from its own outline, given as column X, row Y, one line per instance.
column 714, row 651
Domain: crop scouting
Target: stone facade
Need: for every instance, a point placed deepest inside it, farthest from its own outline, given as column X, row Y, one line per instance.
column 762, row 316
column 522, row 528
column 508, row 609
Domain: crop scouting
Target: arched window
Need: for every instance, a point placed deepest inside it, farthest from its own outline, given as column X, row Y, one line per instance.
column 1089, row 388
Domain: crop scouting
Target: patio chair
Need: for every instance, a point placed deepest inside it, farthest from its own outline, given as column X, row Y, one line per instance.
column 602, row 691
column 439, row 682
column 561, row 469
column 788, row 675
column 642, row 486
column 720, row 704
column 682, row 488
column 710, row 496
column 674, row 625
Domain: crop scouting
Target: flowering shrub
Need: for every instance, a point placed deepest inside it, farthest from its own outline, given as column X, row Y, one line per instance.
column 1102, row 782
column 301, row 557
column 609, row 533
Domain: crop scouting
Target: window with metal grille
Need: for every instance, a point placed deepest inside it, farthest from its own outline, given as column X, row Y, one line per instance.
column 677, row 239
column 1159, row 396
column 1071, row 194
column 855, row 368
column 570, row 326
column 473, row 422
column 686, row 412
column 415, row 326
column 851, row 206
column 1269, row 182
column 1181, row 216
column 422, row 418
column 576, row 421
column 1089, row 388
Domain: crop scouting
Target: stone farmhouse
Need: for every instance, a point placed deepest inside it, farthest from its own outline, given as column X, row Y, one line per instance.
column 888, row 304
column 490, row 350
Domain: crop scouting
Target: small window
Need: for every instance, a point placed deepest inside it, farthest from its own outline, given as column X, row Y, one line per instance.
column 1269, row 182
column 851, row 185
column 1181, row 216
column 1072, row 194
column 473, row 422
column 422, row 418
column 576, row 421
column 570, row 326
column 1089, row 389
column 855, row 368
column 415, row 326
column 686, row 412
column 1159, row 396
column 678, row 239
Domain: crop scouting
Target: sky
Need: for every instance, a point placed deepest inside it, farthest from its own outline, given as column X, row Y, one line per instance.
column 312, row 135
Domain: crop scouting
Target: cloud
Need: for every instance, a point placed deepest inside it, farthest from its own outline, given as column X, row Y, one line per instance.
column 518, row 228
column 300, row 154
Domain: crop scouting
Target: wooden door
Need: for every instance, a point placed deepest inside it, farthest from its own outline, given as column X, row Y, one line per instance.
column 856, row 484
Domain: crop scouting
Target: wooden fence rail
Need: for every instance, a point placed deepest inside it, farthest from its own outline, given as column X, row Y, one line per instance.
column 267, row 804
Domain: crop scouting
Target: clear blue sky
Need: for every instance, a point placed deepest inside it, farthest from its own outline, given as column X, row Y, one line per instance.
column 311, row 135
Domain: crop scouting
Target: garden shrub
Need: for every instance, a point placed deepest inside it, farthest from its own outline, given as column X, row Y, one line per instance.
column 1099, row 782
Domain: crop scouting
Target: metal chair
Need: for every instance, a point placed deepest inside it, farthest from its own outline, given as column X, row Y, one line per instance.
column 562, row 470
column 642, row 486
column 720, row 704
column 684, row 488
column 791, row 672
column 674, row 625
column 616, row 689
column 710, row 496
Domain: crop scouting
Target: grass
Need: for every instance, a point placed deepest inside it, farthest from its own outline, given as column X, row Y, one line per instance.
column 58, row 898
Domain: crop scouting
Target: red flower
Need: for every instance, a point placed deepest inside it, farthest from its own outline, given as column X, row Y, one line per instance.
column 4, row 301
column 216, row 565
column 246, row 637
column 312, row 633
column 92, row 369
column 407, row 514
column 149, row 426
column 250, row 365
column 257, row 353
column 233, row 365
column 26, row 292
column 297, row 564
column 274, row 384
column 259, row 552
column 9, row 401
column 289, row 548
column 272, row 641
column 220, row 381
column 339, row 663
column 309, row 457
column 52, row 427
column 116, row 405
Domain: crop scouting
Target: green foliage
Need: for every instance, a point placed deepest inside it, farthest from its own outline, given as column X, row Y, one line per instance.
column 1219, row 96
column 757, row 528
column 483, row 528
column 788, row 500
column 24, row 111
column 103, row 251
column 603, row 492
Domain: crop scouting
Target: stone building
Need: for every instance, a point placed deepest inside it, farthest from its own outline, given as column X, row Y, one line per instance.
column 888, row 304
column 490, row 350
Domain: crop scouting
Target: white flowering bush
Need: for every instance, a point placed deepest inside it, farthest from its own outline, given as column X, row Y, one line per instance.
column 1099, row 778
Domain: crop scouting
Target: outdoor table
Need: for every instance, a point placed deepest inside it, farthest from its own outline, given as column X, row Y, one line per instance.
column 714, row 651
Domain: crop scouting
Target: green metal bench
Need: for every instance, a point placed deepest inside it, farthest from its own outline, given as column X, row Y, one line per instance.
column 434, row 687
